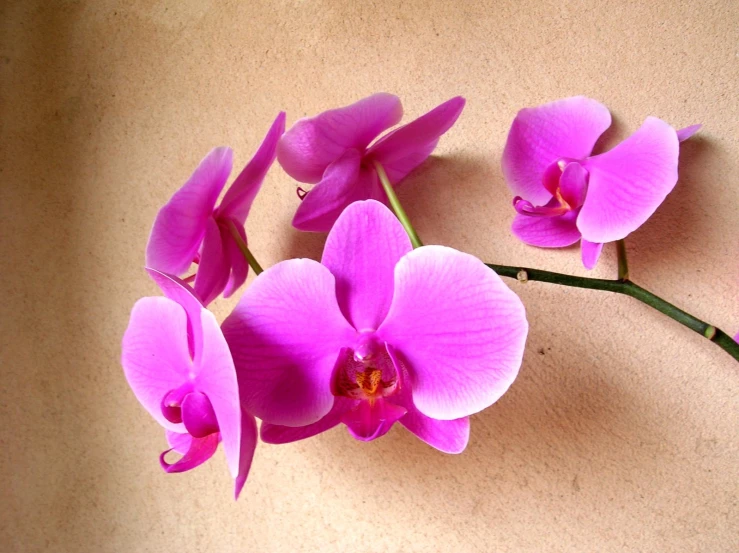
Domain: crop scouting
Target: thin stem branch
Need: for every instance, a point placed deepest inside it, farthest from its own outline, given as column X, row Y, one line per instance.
column 397, row 208
column 623, row 262
column 253, row 263
column 628, row 288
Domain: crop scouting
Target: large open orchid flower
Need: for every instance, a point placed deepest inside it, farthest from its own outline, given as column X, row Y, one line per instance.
column 333, row 150
column 189, row 228
column 375, row 333
column 563, row 194
column 178, row 365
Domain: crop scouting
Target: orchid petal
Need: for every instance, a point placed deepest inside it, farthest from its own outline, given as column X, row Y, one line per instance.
column 217, row 380
column 459, row 329
column 198, row 415
column 687, row 132
column 370, row 420
column 246, row 453
column 214, row 269
column 179, row 291
column 628, row 183
column 277, row 434
column 542, row 135
column 573, row 184
column 285, row 335
column 312, row 144
column 239, row 265
column 361, row 252
column 590, row 252
column 201, row 449
column 547, row 232
column 447, row 436
column 155, row 355
column 401, row 148
column 180, row 225
column 342, row 184
column 239, row 197
column 178, row 442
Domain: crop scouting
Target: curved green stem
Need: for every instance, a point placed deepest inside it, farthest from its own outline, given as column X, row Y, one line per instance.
column 628, row 288
column 253, row 263
column 397, row 208
column 623, row 263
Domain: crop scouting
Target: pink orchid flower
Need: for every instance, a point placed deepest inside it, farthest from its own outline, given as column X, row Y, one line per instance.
column 189, row 228
column 178, row 365
column 376, row 333
column 563, row 194
column 332, row 149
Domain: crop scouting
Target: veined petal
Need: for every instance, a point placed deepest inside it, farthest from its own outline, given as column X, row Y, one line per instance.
column 285, row 336
column 458, row 328
column 361, row 252
column 180, row 225
column 628, row 183
column 312, row 144
column 547, row 232
column 447, row 436
column 239, row 197
column 178, row 290
column 155, row 354
column 247, row 448
column 408, row 141
column 214, row 267
column 539, row 136
column 217, row 380
column 342, row 184
column 277, row 434
column 590, row 253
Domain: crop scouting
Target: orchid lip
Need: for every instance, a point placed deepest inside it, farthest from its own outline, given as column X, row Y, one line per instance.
column 524, row 207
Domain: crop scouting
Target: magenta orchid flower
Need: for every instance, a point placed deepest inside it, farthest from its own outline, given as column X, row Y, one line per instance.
column 333, row 150
column 376, row 333
column 189, row 228
column 563, row 194
column 178, row 365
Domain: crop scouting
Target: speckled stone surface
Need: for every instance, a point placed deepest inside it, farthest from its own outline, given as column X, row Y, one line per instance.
column 622, row 431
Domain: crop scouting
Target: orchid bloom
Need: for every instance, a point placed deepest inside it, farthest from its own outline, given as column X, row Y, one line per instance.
column 189, row 228
column 563, row 194
column 333, row 150
column 178, row 365
column 376, row 333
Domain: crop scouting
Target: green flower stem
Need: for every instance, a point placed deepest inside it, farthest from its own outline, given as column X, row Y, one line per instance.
column 628, row 288
column 623, row 263
column 397, row 208
column 253, row 263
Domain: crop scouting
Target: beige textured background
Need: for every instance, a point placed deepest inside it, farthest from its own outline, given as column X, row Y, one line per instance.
column 621, row 433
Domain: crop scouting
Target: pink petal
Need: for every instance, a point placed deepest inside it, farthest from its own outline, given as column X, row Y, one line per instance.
column 217, row 380
column 178, row 442
column 458, row 329
column 540, row 136
column 239, row 265
column 247, row 448
column 547, row 232
column 628, row 183
column 398, row 169
column 178, row 291
column 277, row 434
column 214, row 268
column 447, row 436
column 312, row 144
column 370, row 420
column 590, row 253
column 687, row 132
column 285, row 336
column 201, row 449
column 342, row 184
column 198, row 415
column 155, row 354
column 180, row 225
column 361, row 252
column 401, row 148
column 573, row 184
column 239, row 197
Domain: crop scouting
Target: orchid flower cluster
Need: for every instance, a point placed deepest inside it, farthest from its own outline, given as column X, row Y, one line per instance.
column 383, row 329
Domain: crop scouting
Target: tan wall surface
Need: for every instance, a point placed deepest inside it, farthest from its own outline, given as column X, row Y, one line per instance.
column 622, row 431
